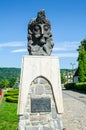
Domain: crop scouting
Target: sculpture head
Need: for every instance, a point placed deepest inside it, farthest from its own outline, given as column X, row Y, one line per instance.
column 39, row 35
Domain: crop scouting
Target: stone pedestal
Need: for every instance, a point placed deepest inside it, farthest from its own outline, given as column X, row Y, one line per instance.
column 40, row 97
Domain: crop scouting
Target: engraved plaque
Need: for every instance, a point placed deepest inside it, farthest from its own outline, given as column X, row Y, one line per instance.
column 40, row 105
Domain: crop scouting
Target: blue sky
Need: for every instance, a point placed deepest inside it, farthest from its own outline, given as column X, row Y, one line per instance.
column 68, row 26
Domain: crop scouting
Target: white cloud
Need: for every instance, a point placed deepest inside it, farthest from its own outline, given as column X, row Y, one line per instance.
column 67, row 46
column 19, row 50
column 71, row 45
column 59, row 49
column 12, row 44
column 66, row 55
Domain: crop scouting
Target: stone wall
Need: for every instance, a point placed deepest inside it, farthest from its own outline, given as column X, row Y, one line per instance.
column 45, row 119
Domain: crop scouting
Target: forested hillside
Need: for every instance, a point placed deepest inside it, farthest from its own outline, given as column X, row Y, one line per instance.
column 9, row 73
column 10, row 77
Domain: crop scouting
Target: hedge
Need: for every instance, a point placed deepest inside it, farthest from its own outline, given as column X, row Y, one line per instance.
column 12, row 99
column 11, row 92
column 12, row 95
column 81, row 86
column 69, row 85
column 76, row 86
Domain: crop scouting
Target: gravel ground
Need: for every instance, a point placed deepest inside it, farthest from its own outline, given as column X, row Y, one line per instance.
column 74, row 116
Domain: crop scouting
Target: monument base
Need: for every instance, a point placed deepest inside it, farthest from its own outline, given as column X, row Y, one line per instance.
column 40, row 97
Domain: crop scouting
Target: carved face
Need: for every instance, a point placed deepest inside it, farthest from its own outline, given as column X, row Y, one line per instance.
column 39, row 35
column 41, row 30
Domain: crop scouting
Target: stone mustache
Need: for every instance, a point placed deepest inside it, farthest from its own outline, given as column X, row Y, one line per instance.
column 39, row 36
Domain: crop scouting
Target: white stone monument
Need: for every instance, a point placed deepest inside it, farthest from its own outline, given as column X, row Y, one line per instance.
column 40, row 78
column 40, row 102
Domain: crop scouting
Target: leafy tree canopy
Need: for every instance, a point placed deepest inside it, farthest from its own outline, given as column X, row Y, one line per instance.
column 8, row 76
column 9, row 73
column 82, row 61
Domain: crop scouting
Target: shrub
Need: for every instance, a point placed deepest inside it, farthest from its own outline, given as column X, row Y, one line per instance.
column 76, row 86
column 12, row 99
column 69, row 85
column 81, row 86
column 11, row 92
column 12, row 95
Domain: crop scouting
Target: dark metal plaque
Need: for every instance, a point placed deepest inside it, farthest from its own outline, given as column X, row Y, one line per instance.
column 40, row 105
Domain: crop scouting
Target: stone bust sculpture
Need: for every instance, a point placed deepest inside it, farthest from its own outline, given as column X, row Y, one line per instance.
column 39, row 35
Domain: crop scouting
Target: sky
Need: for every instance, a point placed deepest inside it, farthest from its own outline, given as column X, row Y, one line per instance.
column 68, row 27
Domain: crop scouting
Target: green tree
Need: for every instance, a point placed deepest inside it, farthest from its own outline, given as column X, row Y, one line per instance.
column 16, row 84
column 12, row 81
column 4, row 83
column 82, row 62
column 63, row 79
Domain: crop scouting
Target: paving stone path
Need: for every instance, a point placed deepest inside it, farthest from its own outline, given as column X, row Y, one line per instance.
column 74, row 116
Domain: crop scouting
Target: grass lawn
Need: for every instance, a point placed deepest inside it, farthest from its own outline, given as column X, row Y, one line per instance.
column 8, row 115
